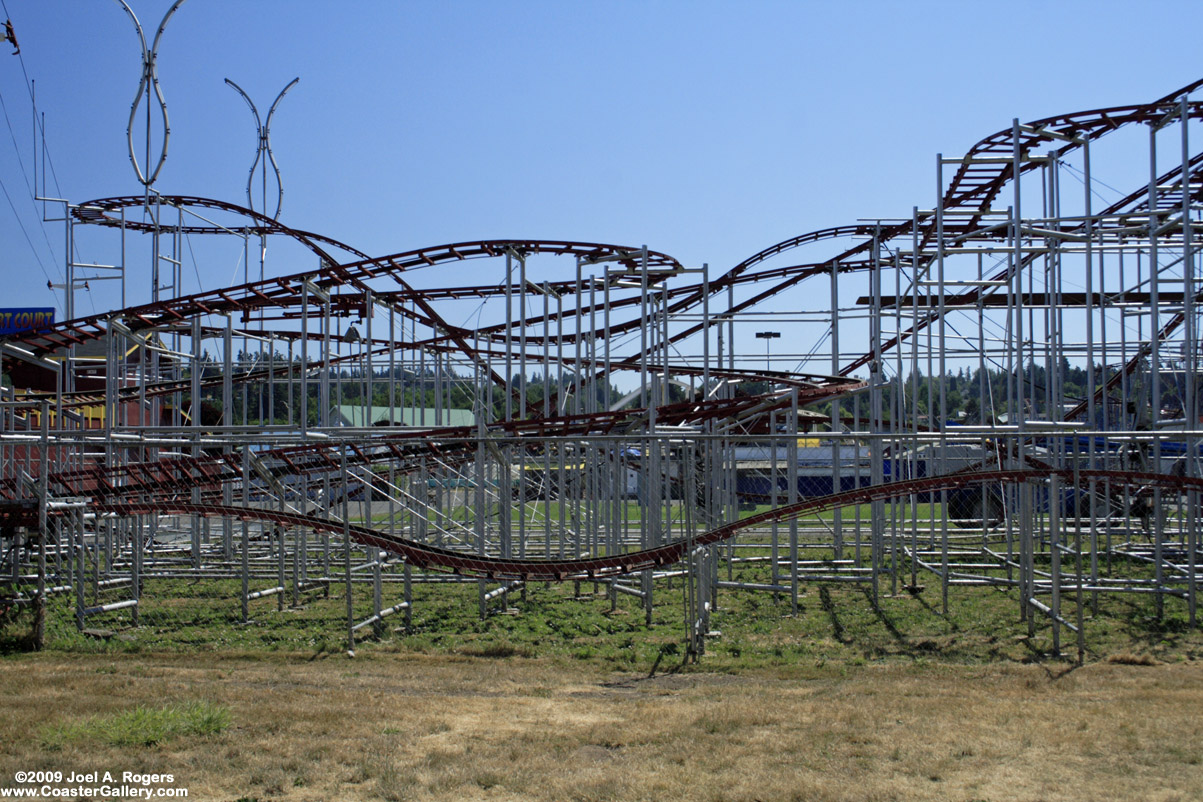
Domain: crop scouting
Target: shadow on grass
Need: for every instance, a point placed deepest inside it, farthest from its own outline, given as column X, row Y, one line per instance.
column 1061, row 672
column 668, row 649
column 884, row 618
column 837, row 627
column 918, row 596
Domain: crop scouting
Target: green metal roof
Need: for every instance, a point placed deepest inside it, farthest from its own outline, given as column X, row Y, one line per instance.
column 353, row 415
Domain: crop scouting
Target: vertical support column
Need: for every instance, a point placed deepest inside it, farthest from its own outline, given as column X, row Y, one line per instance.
column 227, row 418
column 876, row 477
column 615, row 459
column 1094, row 420
column 592, row 466
column 522, row 401
column 649, row 464
column 1190, row 372
column 73, row 524
column 792, row 474
column 914, row 385
column 897, row 426
column 549, row 480
column 666, row 533
column 1158, row 517
column 304, row 422
column 246, row 535
column 1054, row 547
column 136, row 589
column 1018, row 409
column 280, row 563
column 563, row 450
column 197, row 370
column 369, row 483
column 346, row 516
column 323, row 422
column 39, row 610
column 774, row 480
column 1026, row 558
column 730, row 476
column 837, row 444
column 482, row 509
column 409, row 597
column 323, row 412
column 943, row 347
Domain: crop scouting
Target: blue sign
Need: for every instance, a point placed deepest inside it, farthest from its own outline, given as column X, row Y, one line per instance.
column 16, row 320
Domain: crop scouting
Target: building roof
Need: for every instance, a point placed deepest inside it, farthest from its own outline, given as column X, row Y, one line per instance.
column 353, row 415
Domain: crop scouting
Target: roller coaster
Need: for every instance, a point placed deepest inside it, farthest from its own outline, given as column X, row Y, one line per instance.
column 511, row 411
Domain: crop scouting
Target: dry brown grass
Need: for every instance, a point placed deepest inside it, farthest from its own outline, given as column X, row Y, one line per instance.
column 443, row 728
column 1130, row 659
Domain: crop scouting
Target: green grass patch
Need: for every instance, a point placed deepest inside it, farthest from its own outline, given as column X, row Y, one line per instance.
column 535, row 511
column 141, row 726
column 835, row 622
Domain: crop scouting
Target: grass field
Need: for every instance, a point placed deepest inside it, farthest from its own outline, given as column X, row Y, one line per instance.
column 559, row 697
column 397, row 726
column 835, row 622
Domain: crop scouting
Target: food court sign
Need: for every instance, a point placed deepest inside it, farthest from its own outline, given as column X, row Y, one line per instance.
column 17, row 320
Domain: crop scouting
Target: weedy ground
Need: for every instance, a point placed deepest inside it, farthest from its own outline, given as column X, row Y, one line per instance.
column 446, row 727
column 556, row 695
column 837, row 622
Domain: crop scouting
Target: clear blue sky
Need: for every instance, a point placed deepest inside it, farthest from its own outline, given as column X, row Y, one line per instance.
column 705, row 130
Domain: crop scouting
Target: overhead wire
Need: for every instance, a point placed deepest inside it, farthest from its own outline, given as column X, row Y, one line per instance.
column 29, row 88
column 814, row 350
column 24, row 174
column 17, row 217
column 40, row 125
column 1080, row 177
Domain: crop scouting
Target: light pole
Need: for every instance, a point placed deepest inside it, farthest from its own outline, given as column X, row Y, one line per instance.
column 768, row 337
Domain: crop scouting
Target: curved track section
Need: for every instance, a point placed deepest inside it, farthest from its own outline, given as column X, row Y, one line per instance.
column 468, row 394
column 497, row 568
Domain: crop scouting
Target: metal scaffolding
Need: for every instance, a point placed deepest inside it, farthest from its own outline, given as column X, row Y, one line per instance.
column 352, row 424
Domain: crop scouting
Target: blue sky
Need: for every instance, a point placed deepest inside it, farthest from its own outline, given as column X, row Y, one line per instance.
column 705, row 130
